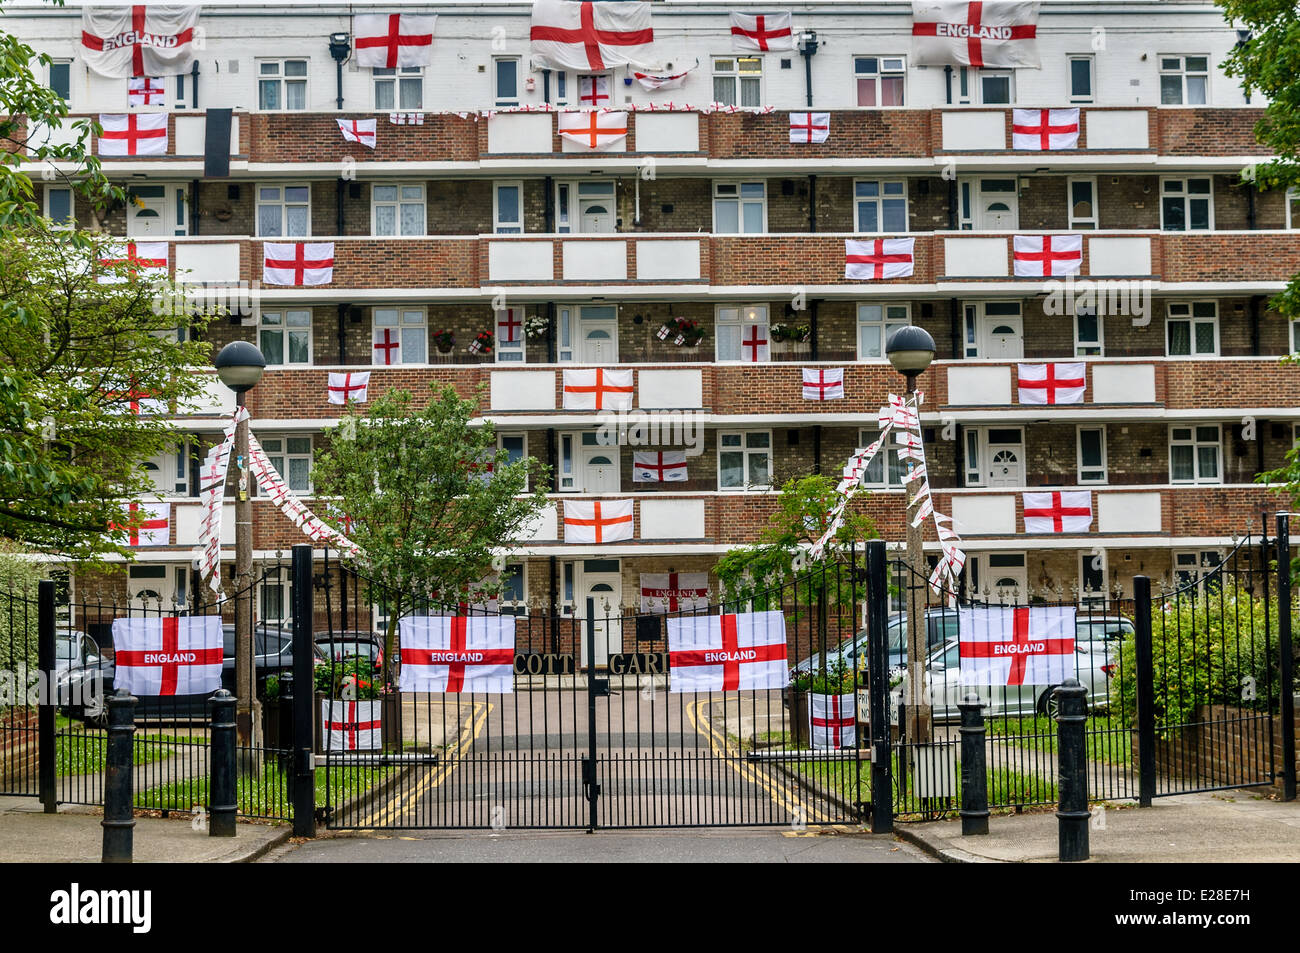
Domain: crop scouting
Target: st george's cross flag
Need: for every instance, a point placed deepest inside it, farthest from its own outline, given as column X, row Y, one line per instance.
column 874, row 259
column 1044, row 130
column 146, row 91
column 138, row 40
column 593, row 91
column 149, row 524
column 510, row 325
column 597, row 388
column 674, row 591
column 388, row 40
column 474, row 653
column 771, row 31
column 1005, row 645
column 596, row 129
column 810, row 127
column 297, row 263
column 1047, row 256
column 960, row 33
column 352, row 725
column 1058, row 511
column 346, row 386
column 565, row 34
column 1062, row 382
column 358, row 130
column 133, row 134
column 653, row 81
column 597, row 521
column 823, row 383
column 178, row 655
column 727, row 653
column 658, row 466
column 140, row 258
column 833, row 720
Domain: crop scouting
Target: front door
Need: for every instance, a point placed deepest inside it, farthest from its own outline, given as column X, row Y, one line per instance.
column 998, row 205
column 1006, row 455
column 999, row 578
column 1004, row 337
column 601, row 610
column 598, row 336
column 147, row 217
column 157, row 587
column 600, row 470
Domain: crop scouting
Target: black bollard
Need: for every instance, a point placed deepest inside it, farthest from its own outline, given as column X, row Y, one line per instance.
column 119, row 787
column 974, row 777
column 1072, row 771
column 221, row 772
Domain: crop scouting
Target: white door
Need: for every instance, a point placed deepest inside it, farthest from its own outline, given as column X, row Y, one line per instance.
column 1006, row 456
column 147, row 215
column 599, row 342
column 998, row 208
column 1000, row 578
column 600, row 605
column 600, row 470
column 597, row 215
column 1004, row 338
column 157, row 587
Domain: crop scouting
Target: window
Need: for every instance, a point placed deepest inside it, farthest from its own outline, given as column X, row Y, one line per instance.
column 874, row 476
column 876, row 322
column 1184, row 80
column 1083, row 201
column 60, row 79
column 739, row 208
column 505, row 76
column 58, row 205
column 879, row 80
column 275, row 596
column 742, row 334
column 1088, row 332
column 515, row 445
column 508, row 208
column 1295, row 336
column 510, row 324
column 745, row 460
column 401, row 336
column 994, row 456
column 285, row 336
column 1192, row 329
column 397, row 209
column 989, row 204
column 282, row 84
column 1194, row 454
column 1092, row 454
column 284, row 211
column 1081, row 68
column 180, row 98
column 996, row 87
column 1293, row 208
column 1194, row 568
column 1092, row 577
column 1186, row 205
column 880, row 205
column 514, row 593
column 169, row 470
column 737, row 80
column 399, row 87
column 291, row 457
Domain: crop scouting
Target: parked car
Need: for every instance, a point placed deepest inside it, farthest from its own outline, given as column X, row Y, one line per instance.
column 345, row 645
column 73, row 647
column 940, row 625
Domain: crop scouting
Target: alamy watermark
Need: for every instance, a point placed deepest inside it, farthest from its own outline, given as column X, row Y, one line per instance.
column 652, row 428
column 1104, row 298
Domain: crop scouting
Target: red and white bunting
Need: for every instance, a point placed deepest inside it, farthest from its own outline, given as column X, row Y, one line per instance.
column 1047, row 256
column 1058, row 511
column 388, row 40
column 146, row 91
column 1003, row 645
column 598, row 130
column 297, row 263
column 874, row 259
column 674, row 591
column 141, row 258
column 727, row 653
column 654, row 81
column 590, row 36
column 957, row 33
column 762, row 32
column 406, row 119
column 1060, row 383
column 597, row 388
column 149, row 524
column 455, row 654
column 133, row 134
column 278, row 492
column 352, row 725
column 510, row 325
column 810, row 127
column 597, row 521
column 212, row 491
column 823, row 383
column 359, row 130
column 754, row 345
column 833, row 720
column 138, row 40
column 659, row 466
column 1045, row 130
column 168, row 656
column 346, row 386
column 593, row 92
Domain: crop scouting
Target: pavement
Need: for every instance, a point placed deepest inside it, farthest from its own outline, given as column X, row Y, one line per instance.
column 1241, row 826
column 74, row 835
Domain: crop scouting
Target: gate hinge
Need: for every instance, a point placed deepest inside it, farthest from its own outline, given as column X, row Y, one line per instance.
column 590, row 788
column 600, row 687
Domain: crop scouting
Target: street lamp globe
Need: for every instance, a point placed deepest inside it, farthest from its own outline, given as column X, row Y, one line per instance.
column 910, row 349
column 240, row 365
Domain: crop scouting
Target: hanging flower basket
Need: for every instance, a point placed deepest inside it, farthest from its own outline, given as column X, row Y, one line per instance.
column 536, row 327
column 482, row 343
column 444, row 340
column 684, row 332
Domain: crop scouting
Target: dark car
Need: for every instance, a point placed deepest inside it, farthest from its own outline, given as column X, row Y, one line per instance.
column 346, row 645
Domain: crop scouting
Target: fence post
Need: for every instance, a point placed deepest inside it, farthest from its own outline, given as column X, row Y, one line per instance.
column 45, row 661
column 1072, row 813
column 1285, row 649
column 974, row 776
column 304, row 714
column 221, row 771
column 1146, row 690
column 119, row 782
column 882, row 775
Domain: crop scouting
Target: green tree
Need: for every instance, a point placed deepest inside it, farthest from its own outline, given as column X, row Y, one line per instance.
column 18, row 617
column 414, row 489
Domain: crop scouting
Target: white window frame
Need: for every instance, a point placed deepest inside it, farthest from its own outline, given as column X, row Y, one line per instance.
column 1295, row 336
column 1292, row 203
column 973, row 463
column 737, row 77
column 1008, row 74
column 512, row 434
column 397, row 204
column 507, row 228
column 570, row 451
column 1197, row 572
column 49, row 81
column 519, row 80
column 399, row 324
column 283, row 205
column 878, row 200
column 886, row 323
column 281, row 78
column 741, row 202
column 71, row 220
column 1089, row 222
column 521, row 609
column 741, row 316
column 1095, row 348
column 1085, row 561
column 1187, row 197
column 280, row 457
column 283, row 580
column 516, row 352
column 1078, row 448
column 284, row 329
column 1182, row 73
column 971, row 194
column 886, row 457
column 1196, row 443
column 181, row 91
column 746, row 451
column 569, row 321
column 175, row 464
column 396, row 76
column 887, row 66
column 568, row 205
column 1091, row 60
column 1188, row 315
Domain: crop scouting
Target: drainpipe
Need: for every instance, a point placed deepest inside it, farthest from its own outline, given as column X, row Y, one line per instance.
column 952, row 205
column 958, row 339
column 1250, row 206
column 947, row 84
column 194, row 85
column 548, row 205
column 554, row 596
column 339, row 49
column 552, row 345
column 812, row 203
column 194, row 207
column 808, row 49
column 1254, row 324
column 338, row 207
column 342, row 325
column 959, row 456
column 817, row 449
column 812, row 327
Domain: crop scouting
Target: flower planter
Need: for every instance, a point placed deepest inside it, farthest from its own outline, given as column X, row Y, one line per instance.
column 798, row 705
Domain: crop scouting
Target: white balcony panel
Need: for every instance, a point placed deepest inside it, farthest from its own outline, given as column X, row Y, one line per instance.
column 544, row 527
column 974, row 131
column 188, row 519
column 520, row 132
column 1128, row 513
column 667, row 132
column 522, row 390
column 1123, row 383
column 42, row 135
column 982, row 515
column 595, row 261
column 203, row 261
column 520, row 261
column 667, row 390
column 1119, row 256
column 672, row 519
column 215, row 400
column 1124, row 129
column 975, row 258
column 191, row 135
column 668, row 260
column 976, row 385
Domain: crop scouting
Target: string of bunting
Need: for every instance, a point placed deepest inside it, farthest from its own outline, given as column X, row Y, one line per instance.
column 269, row 480
column 552, row 108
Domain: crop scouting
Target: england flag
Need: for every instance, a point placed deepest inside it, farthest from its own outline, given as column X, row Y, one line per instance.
column 810, row 127
column 453, row 654
column 727, row 653
column 823, row 383
column 388, row 40
column 659, row 466
column 168, row 656
column 762, row 32
column 1058, row 511
column 298, row 263
column 138, row 39
column 358, row 130
column 345, row 386
column 352, row 725
column 597, row 521
column 133, row 134
column 960, row 33
column 567, row 35
column 597, row 388
column 1044, row 130
column 1006, row 645
column 878, row 258
column 833, row 720
column 146, row 91
column 597, row 130
column 1062, row 382
column 1047, row 256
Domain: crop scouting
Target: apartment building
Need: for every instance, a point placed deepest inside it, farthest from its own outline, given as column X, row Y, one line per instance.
column 472, row 213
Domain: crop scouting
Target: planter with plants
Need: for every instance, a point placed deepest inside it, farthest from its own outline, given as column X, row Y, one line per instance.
column 684, row 332
column 536, row 327
column 351, row 706
column 482, row 344
column 444, row 340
